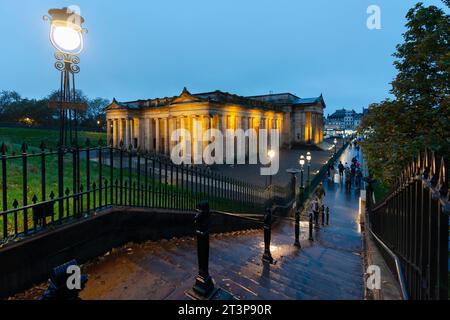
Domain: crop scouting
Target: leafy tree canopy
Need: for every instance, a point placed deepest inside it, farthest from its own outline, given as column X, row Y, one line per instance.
column 419, row 116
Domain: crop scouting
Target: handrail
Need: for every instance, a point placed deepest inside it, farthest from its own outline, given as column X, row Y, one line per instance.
column 398, row 268
column 243, row 216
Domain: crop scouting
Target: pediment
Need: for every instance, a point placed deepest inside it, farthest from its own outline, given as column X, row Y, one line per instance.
column 115, row 106
column 185, row 97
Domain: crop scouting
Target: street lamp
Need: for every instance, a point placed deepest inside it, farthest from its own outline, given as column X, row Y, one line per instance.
column 302, row 170
column 335, row 145
column 302, row 165
column 308, row 158
column 67, row 37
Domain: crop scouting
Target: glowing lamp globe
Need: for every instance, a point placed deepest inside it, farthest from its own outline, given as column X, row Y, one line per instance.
column 302, row 160
column 308, row 156
column 66, row 33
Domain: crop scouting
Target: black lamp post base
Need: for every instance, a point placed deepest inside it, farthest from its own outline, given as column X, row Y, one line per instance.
column 203, row 286
column 215, row 294
column 297, row 244
column 267, row 257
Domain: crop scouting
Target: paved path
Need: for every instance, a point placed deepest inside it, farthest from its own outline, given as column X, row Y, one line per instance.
column 331, row 267
column 288, row 159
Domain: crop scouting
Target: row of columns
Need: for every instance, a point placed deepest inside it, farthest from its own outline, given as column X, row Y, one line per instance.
column 153, row 134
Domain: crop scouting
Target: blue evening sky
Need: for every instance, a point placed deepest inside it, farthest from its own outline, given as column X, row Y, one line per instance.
column 143, row 49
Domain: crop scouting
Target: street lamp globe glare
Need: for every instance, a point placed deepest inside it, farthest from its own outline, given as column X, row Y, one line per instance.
column 302, row 160
column 66, row 39
column 308, row 156
column 271, row 154
column 66, row 33
column 335, row 141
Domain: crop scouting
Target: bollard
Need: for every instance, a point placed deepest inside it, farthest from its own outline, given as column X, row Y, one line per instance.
column 322, row 209
column 328, row 216
column 58, row 288
column 204, row 285
column 267, row 257
column 311, row 227
column 297, row 229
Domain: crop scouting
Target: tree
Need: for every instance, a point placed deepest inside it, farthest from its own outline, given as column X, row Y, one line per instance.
column 419, row 115
column 7, row 98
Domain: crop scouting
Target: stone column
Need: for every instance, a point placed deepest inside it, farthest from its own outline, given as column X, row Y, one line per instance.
column 166, row 135
column 223, row 129
column 127, row 133
column 149, row 133
column 115, row 133
column 108, row 132
column 244, row 126
column 206, row 125
column 172, row 128
column 135, row 132
column 121, row 131
column 157, row 136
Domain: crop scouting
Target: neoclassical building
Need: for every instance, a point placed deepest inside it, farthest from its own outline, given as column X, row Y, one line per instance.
column 149, row 123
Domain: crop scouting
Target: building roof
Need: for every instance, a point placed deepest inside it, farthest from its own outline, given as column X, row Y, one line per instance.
column 290, row 99
column 267, row 102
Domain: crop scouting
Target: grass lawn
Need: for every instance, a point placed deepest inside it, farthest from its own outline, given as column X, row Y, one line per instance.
column 34, row 137
column 165, row 194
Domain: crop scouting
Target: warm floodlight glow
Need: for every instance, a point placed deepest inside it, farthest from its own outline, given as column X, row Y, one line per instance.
column 271, row 154
column 66, row 33
column 66, row 39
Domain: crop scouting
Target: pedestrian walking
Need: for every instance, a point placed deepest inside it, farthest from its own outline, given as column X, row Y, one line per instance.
column 348, row 179
column 358, row 178
column 341, row 169
column 320, row 194
column 315, row 210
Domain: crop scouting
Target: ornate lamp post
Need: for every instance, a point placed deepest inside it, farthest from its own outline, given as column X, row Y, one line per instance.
column 66, row 36
column 308, row 158
column 335, row 145
column 302, row 170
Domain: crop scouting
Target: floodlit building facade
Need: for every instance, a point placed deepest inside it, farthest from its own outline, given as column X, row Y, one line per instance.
column 148, row 124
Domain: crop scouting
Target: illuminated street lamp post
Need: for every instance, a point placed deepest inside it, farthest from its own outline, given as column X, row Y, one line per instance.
column 335, row 145
column 302, row 168
column 308, row 158
column 66, row 36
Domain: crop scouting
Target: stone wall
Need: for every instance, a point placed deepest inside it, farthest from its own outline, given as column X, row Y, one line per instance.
column 31, row 261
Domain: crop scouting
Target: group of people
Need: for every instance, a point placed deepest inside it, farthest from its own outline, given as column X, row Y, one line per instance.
column 352, row 173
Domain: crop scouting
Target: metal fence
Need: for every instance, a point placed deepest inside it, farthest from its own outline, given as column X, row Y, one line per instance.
column 413, row 222
column 56, row 186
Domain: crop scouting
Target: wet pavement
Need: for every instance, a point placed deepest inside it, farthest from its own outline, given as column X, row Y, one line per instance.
column 329, row 268
column 288, row 159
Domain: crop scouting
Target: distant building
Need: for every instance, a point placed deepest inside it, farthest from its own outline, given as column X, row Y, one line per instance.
column 343, row 121
column 149, row 123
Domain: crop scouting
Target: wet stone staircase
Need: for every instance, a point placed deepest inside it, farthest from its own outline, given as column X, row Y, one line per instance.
column 328, row 268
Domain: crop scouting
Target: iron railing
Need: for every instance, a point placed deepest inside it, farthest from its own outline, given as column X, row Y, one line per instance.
column 72, row 183
column 413, row 222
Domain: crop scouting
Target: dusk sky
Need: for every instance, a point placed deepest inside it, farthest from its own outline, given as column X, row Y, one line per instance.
column 146, row 49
